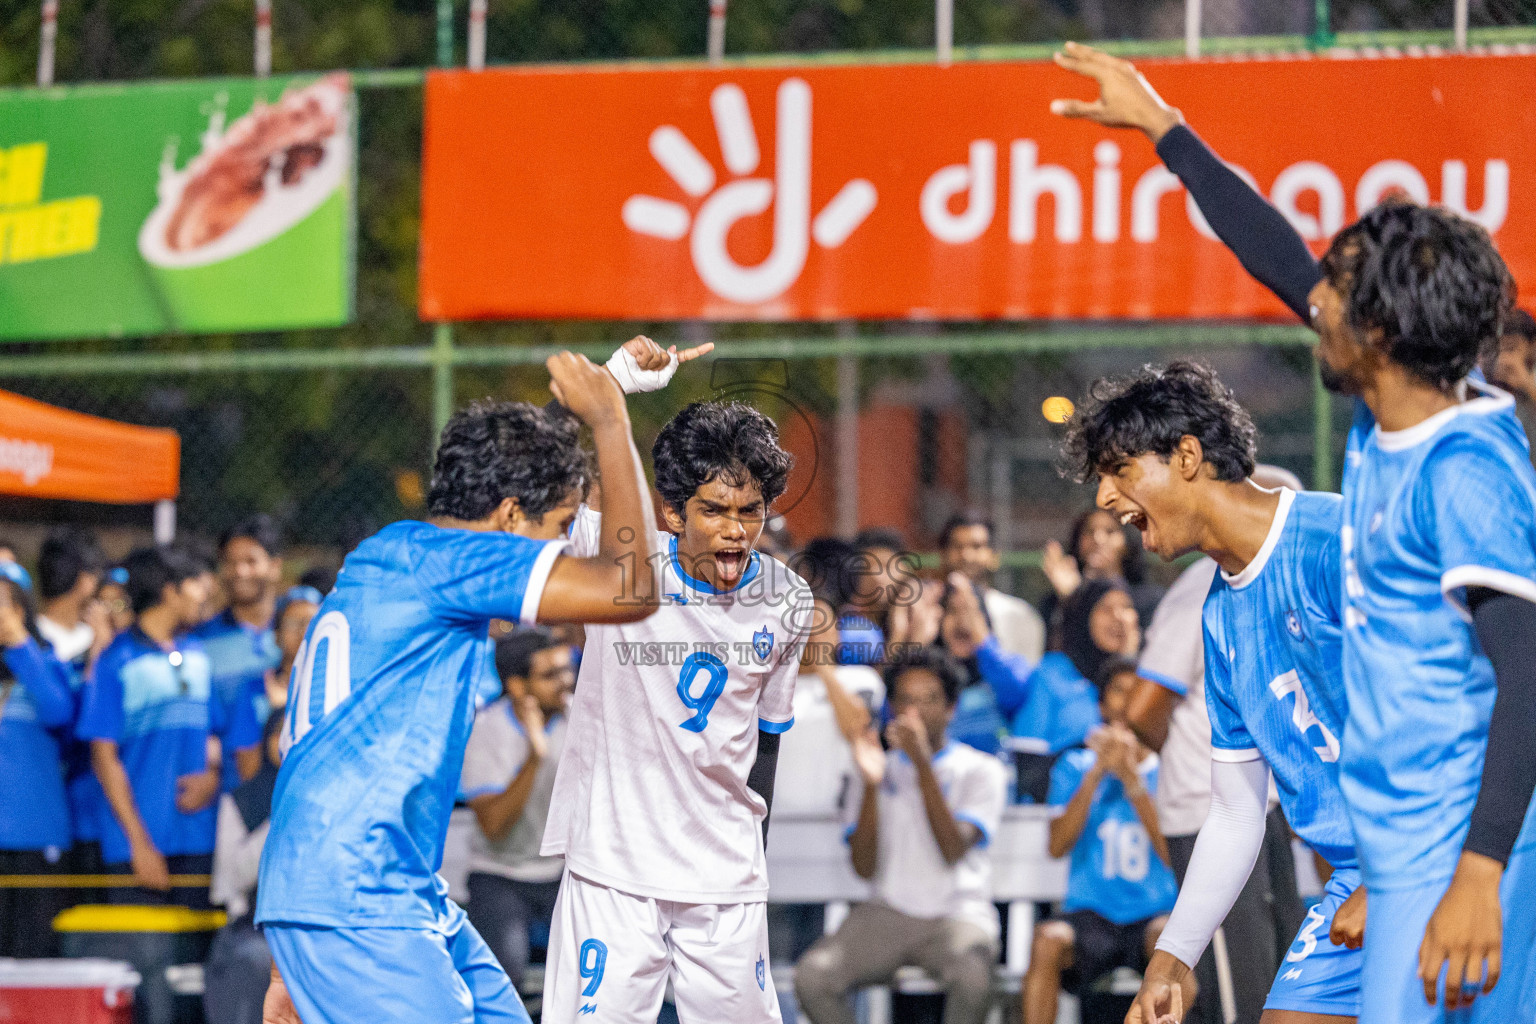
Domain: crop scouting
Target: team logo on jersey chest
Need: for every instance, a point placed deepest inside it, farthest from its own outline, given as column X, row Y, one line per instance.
column 1293, row 623
column 762, row 643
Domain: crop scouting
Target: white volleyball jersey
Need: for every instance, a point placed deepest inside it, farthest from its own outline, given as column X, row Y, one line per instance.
column 651, row 795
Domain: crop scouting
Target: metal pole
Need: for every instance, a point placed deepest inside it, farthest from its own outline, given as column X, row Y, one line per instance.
column 716, row 45
column 944, row 30
column 444, row 33
column 847, row 461
column 442, row 334
column 1192, row 9
column 477, row 35
column 45, row 43
column 263, row 38
column 165, row 521
column 1322, row 25
column 1460, row 23
column 442, row 379
column 1322, row 434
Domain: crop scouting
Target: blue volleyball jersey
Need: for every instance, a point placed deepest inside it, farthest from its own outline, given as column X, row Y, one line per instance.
column 379, row 711
column 240, row 656
column 36, row 704
column 1428, row 512
column 1113, row 870
column 160, row 715
column 87, row 803
column 1273, row 683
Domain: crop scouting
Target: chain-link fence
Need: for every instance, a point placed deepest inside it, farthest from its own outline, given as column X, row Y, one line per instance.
column 337, row 452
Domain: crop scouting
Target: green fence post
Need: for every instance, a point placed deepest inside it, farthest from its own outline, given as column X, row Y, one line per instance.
column 1322, row 25
column 442, row 379
column 1322, row 433
column 444, row 33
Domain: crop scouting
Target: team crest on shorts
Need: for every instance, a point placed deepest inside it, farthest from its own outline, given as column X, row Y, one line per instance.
column 1293, row 623
column 762, row 643
column 762, row 974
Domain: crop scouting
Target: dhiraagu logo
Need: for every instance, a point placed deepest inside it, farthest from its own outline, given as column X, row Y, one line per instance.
column 34, row 230
column 748, row 194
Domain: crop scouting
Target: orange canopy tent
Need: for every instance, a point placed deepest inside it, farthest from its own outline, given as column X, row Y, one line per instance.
column 48, row 452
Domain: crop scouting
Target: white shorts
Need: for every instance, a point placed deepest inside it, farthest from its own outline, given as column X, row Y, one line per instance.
column 611, row 955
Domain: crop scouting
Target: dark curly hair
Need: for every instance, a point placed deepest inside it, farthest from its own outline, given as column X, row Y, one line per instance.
column 497, row 450
column 1151, row 413
column 931, row 659
column 1431, row 281
column 719, row 440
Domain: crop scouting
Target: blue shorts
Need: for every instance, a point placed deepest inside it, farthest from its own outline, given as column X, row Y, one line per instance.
column 1394, row 930
column 1318, row 976
column 401, row 975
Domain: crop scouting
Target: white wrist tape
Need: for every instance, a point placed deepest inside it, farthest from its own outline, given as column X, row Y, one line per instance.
column 626, row 370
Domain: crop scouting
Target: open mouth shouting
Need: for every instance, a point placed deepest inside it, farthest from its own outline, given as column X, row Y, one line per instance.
column 730, row 563
column 1137, row 518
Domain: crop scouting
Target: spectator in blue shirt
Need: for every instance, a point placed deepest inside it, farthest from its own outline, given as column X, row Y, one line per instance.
column 1120, row 886
column 156, row 734
column 239, row 640
column 35, row 700
column 1052, row 704
column 74, row 624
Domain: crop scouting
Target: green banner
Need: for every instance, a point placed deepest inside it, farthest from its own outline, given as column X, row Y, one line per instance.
column 196, row 207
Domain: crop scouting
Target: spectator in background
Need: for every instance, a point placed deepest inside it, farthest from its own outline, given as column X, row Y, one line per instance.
column 35, row 701
column 1168, row 712
column 321, row 577
column 291, row 617
column 965, row 547
column 880, row 579
column 1100, row 548
column 113, row 597
column 1053, row 704
column 1119, row 886
column 508, row 777
column 919, row 832
column 69, row 573
column 7, row 550
column 75, row 624
column 239, row 640
column 239, row 966
column 1514, row 368
column 156, row 733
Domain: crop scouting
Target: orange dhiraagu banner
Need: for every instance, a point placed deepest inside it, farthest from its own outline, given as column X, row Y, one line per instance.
column 48, row 452
column 894, row 191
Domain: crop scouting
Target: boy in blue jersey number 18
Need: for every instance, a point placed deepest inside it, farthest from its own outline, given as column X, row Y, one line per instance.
column 1173, row 452
column 382, row 701
column 1120, row 884
column 1438, row 551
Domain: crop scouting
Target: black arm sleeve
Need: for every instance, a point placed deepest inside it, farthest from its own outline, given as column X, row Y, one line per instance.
column 1257, row 233
column 760, row 778
column 1506, row 627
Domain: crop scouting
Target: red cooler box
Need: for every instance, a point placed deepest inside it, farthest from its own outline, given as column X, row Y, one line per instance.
column 66, row 992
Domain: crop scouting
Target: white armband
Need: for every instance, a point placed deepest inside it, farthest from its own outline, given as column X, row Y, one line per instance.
column 626, row 370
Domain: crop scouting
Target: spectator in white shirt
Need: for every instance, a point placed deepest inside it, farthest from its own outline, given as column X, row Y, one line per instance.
column 509, row 774
column 965, row 546
column 920, row 832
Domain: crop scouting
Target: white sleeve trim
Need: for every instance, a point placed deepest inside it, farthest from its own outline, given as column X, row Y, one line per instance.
column 1462, row 576
column 1225, row 852
column 534, row 593
column 1236, row 756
